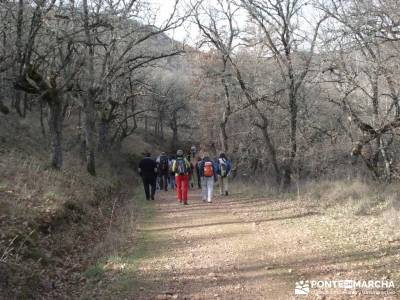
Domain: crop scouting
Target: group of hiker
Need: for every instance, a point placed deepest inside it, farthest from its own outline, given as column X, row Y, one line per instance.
column 180, row 172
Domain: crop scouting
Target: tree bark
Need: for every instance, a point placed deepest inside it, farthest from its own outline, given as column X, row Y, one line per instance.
column 3, row 108
column 386, row 162
column 104, row 135
column 89, row 106
column 174, row 128
column 55, row 128
column 89, row 129
column 146, row 128
column 227, row 110
column 288, row 168
column 17, row 103
column 271, row 150
column 41, row 119
column 162, row 129
column 223, row 134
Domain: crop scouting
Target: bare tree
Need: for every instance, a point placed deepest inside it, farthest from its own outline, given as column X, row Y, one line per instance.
column 116, row 48
column 219, row 29
column 364, row 78
column 46, row 63
column 281, row 35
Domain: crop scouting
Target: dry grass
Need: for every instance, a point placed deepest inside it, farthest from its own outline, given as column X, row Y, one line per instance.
column 349, row 198
column 355, row 197
column 51, row 220
column 45, row 212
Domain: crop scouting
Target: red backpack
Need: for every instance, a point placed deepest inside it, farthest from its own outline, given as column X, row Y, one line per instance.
column 208, row 170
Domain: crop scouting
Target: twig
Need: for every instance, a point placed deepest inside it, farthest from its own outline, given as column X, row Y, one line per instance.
column 112, row 211
column 8, row 250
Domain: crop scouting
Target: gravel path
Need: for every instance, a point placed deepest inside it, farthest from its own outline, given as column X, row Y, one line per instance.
column 243, row 248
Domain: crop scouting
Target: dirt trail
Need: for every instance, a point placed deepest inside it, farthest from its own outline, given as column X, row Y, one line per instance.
column 238, row 248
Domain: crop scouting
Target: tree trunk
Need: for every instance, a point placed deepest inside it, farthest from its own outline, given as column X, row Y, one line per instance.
column 271, row 151
column 104, row 135
column 25, row 105
column 162, row 129
column 174, row 143
column 3, row 108
column 81, row 138
column 156, row 128
column 227, row 111
column 41, row 119
column 89, row 129
column 174, row 128
column 17, row 103
column 386, row 161
column 146, row 128
column 223, row 134
column 55, row 128
column 288, row 169
column 89, row 108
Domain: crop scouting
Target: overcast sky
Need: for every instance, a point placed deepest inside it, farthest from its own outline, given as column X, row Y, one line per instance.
column 190, row 34
column 185, row 32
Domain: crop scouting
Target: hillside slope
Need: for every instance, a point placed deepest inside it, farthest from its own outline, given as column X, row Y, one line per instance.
column 51, row 221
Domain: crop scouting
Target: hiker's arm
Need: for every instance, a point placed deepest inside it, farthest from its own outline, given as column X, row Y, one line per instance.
column 155, row 169
column 188, row 165
column 140, row 168
column 217, row 168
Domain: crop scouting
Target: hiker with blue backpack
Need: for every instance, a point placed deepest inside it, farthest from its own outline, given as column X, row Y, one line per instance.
column 163, row 171
column 181, row 168
column 208, row 172
column 224, row 170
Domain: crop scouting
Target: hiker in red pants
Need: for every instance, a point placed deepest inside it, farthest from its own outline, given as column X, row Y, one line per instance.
column 181, row 168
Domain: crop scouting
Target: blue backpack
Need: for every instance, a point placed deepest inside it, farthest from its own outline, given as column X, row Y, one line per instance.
column 181, row 167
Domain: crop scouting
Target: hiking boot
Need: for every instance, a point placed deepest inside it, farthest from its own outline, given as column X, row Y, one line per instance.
column 226, row 193
column 185, row 203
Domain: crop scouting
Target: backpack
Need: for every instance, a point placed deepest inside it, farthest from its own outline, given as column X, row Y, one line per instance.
column 208, row 169
column 223, row 167
column 163, row 164
column 180, row 166
column 170, row 164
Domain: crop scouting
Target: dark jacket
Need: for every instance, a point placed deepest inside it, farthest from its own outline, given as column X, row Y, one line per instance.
column 160, row 164
column 148, row 168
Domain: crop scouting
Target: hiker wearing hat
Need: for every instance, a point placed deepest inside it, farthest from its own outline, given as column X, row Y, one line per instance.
column 163, row 170
column 148, row 172
column 181, row 168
